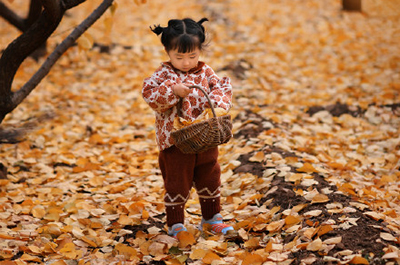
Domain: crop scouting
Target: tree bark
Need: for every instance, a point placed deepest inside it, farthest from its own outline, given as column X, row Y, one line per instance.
column 351, row 5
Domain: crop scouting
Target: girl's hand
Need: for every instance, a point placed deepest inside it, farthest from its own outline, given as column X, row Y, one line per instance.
column 181, row 90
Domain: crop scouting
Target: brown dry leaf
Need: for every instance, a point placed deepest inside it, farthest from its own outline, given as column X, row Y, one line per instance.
column 275, row 226
column 69, row 251
column 310, row 232
column 374, row 215
column 210, row 257
column 307, row 168
column 313, row 213
column 127, row 251
column 333, row 240
column 38, row 211
column 157, row 249
column 292, row 220
column 315, row 245
column 90, row 241
column 252, row 243
column 258, row 157
column 359, row 260
column 185, row 239
column 28, row 258
column 198, row 254
column 279, row 257
column 85, row 42
column 388, row 237
column 252, row 259
column 319, row 198
column 391, row 255
column 323, row 229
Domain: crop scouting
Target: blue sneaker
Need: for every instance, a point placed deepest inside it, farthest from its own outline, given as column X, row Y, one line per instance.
column 175, row 229
column 216, row 225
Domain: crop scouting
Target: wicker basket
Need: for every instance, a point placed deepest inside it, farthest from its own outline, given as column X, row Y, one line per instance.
column 201, row 136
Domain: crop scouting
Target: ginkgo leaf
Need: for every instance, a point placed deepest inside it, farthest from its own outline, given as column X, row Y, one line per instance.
column 185, row 239
column 315, row 245
column 388, row 237
column 257, row 157
column 85, row 42
column 198, row 254
column 319, row 198
column 359, row 260
column 307, row 168
column 292, row 220
column 275, row 226
column 252, row 243
column 333, row 240
column 210, row 257
column 313, row 213
column 252, row 259
column 127, row 251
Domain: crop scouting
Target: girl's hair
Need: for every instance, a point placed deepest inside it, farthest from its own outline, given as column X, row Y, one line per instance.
column 184, row 35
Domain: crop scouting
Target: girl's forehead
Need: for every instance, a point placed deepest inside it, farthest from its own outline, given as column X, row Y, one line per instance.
column 195, row 51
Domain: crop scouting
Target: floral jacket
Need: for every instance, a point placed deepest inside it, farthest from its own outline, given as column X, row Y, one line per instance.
column 157, row 92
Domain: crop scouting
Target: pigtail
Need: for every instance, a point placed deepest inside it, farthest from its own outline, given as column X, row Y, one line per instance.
column 200, row 22
column 204, row 19
column 157, row 29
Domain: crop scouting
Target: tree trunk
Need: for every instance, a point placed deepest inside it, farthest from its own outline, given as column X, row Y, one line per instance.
column 351, row 5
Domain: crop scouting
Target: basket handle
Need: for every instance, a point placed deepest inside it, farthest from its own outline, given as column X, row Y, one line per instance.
column 208, row 98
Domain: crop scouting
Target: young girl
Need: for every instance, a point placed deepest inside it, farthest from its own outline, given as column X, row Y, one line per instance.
column 183, row 41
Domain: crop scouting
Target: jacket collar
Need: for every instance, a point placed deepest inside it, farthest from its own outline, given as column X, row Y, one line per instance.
column 199, row 66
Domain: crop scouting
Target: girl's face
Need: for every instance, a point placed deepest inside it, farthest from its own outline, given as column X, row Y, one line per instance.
column 184, row 61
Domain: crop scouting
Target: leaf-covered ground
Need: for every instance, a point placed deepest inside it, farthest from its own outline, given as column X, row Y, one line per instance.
column 310, row 177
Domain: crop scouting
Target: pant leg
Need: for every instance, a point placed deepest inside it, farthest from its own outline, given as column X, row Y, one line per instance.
column 177, row 171
column 207, row 181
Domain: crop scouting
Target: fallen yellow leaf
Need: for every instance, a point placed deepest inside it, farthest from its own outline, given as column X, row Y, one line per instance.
column 307, row 168
column 359, row 260
column 210, row 257
column 198, row 253
column 185, row 239
column 252, row 259
column 315, row 245
column 319, row 198
column 292, row 220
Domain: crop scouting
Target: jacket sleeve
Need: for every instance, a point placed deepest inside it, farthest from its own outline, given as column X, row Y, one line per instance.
column 157, row 91
column 220, row 90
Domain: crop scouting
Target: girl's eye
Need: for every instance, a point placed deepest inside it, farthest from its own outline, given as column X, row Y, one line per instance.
column 193, row 57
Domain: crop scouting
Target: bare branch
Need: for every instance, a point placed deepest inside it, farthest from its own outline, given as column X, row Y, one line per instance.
column 18, row 50
column 22, row 93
